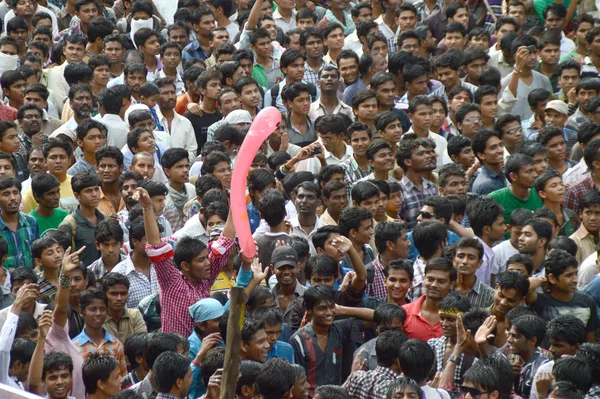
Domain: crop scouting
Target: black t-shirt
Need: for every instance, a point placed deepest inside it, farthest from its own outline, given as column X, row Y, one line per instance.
column 581, row 306
column 201, row 124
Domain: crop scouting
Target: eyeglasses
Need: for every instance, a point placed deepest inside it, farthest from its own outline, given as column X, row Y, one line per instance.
column 474, row 392
column 473, row 119
column 426, row 215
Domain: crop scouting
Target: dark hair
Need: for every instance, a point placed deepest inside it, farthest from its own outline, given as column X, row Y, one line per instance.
column 519, row 217
column 157, row 343
column 87, row 296
column 441, row 206
column 480, row 139
column 22, row 273
column 449, row 170
column 110, row 279
column 454, row 302
column 97, row 367
column 557, row 262
column 416, row 359
column 428, row 235
column 387, row 231
column 465, row 109
column 249, row 369
column 39, row 245
column 387, row 347
column 483, row 211
column 168, row 368
column 456, row 144
column 387, row 313
column 276, row 377
column 317, row 294
column 110, row 100
column 469, row 242
column 86, row 126
column 513, row 279
column 530, row 326
column 351, row 219
column 84, row 180
column 566, row 328
column 361, row 97
column 492, row 372
column 134, row 347
column 42, row 183
column 55, row 361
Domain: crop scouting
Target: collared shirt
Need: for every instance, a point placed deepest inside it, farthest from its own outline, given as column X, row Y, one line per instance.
column 387, row 31
column 439, row 346
column 298, row 292
column 117, row 130
column 177, row 294
column 131, row 322
column 145, row 388
column 181, row 132
column 412, row 199
column 282, row 23
column 586, row 244
column 314, row 165
column 166, row 396
column 450, row 126
column 294, row 134
column 497, row 60
column 528, row 371
column 99, row 269
column 576, row 173
column 139, row 285
column 194, row 50
column 593, row 393
column 19, row 241
column 312, row 76
column 153, row 75
column 298, row 231
column 372, row 384
column 487, row 181
column 106, row 206
column 417, row 288
column 442, row 90
column 109, row 346
column 576, row 120
column 327, row 219
column 353, row 172
column 268, row 78
column 576, row 192
column 281, row 350
column 318, row 109
column 179, row 84
column 323, row 368
column 527, row 126
column 481, row 295
column 26, row 144
column 416, row 326
column 377, row 288
column 81, row 166
column 485, row 270
column 423, row 10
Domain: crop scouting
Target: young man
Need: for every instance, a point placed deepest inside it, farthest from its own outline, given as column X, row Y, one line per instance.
column 311, row 42
column 586, row 237
column 392, row 243
column 510, row 247
column 521, row 175
column 203, row 21
column 333, row 35
column 415, row 158
column 13, row 88
column 549, row 53
column 357, row 167
column 301, row 129
column 534, row 239
column 328, row 102
column 82, row 223
column 101, row 376
column 91, row 136
column 461, row 152
column 469, row 258
column 176, row 165
column 474, row 59
column 46, row 192
column 552, row 192
column 172, row 375
column 249, row 94
column 430, row 237
column 556, row 114
column 511, row 133
column 209, row 86
column 448, row 67
column 10, row 145
column 121, row 322
column 585, row 90
column 468, row 120
column 109, row 165
column 335, row 200
column 487, row 99
column 486, row 217
column 364, row 107
column 588, row 132
column 489, row 150
column 284, row 265
column 553, row 138
column 420, row 111
column 569, row 74
column 381, row 161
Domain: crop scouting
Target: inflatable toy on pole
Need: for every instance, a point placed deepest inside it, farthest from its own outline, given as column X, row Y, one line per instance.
column 263, row 126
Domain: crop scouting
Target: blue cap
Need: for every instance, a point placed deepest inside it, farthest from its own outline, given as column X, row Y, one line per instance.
column 206, row 309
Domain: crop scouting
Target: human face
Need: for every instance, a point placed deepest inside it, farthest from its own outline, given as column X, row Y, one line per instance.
column 489, row 107
column 411, row 45
column 250, row 96
column 379, row 63
column 394, row 203
column 512, row 133
column 305, row 23
column 51, row 257
column 301, row 388
column 418, row 86
column 472, row 391
column 158, row 203
column 207, row 22
column 448, row 323
column 295, row 71
column 337, row 202
column 517, row 342
column 93, row 141
column 286, row 275
column 506, row 299
column 89, row 196
column 135, row 80
column 397, row 284
column 349, row 70
column 479, row 41
column 329, row 81
column 82, row 104
column 421, row 118
column 554, row 118
column 581, row 32
column 437, row 284
column 364, row 14
column 144, row 164
column 9, row 49
column 213, row 87
column 360, row 142
column 222, row 172
column 438, row 116
column 273, row 333
column 199, row 268
column 113, row 385
column 528, row 241
column 541, row 163
column 393, row 132
column 557, row 148
column 365, row 230
column 6, row 168
column 406, row 393
column 420, row 159
column 323, row 314
column 554, row 22
column 57, row 161
column 306, row 201
column 10, row 141
column 467, row 260
column 335, row 40
column 179, row 172
column 568, row 79
column 258, row 347
column 16, row 91
column 36, row 163
column 171, row 57
column 550, row 54
column 301, row 104
column 518, row 267
column 212, row 222
column 584, row 96
column 386, row 93
column 117, row 297
column 407, row 20
column 454, row 40
column 426, row 213
column 498, row 229
column 20, row 35
column 526, row 176
column 383, row 160
column 554, row 190
column 229, row 102
column 31, row 123
column 560, row 348
column 295, row 41
column 263, row 47
column 35, row 98
column 167, row 98
column 180, row 37
column 367, row 110
column 518, row 13
column 449, row 77
column 94, row 314
column 456, row 185
column 58, row 383
column 590, row 218
column 458, row 101
column 74, row 52
column 380, row 48
column 494, row 152
column 503, row 30
column 219, row 37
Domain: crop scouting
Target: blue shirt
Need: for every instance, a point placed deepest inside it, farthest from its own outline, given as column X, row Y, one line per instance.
column 351, row 90
column 197, row 388
column 488, row 181
column 253, row 216
column 194, row 50
column 414, row 252
column 282, row 350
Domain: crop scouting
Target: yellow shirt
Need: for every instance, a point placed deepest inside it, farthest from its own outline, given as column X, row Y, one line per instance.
column 67, row 198
column 106, row 205
column 223, row 283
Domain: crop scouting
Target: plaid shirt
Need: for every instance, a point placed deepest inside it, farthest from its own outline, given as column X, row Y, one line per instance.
column 423, row 10
column 99, row 269
column 481, row 295
column 139, row 285
column 109, row 346
column 312, row 76
column 412, row 199
column 47, row 289
column 377, row 287
column 176, row 293
column 372, row 384
column 353, row 172
column 418, row 289
column 439, row 346
column 593, row 393
column 577, row 191
column 19, row 242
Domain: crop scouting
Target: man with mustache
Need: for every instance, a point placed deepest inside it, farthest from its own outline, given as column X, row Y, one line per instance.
column 80, row 99
column 29, row 118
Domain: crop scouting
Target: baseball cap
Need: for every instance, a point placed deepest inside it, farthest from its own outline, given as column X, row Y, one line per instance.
column 206, row 309
column 238, row 116
column 283, row 256
column 558, row 106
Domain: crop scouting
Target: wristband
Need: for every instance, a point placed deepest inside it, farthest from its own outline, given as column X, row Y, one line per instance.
column 64, row 281
column 195, row 363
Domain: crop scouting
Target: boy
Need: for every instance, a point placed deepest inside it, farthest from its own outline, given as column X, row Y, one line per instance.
column 209, row 86
column 461, row 152
column 176, row 165
column 549, row 53
column 364, row 107
column 489, row 150
column 149, row 96
column 420, row 111
column 121, row 322
column 473, row 61
column 520, row 173
column 561, row 274
column 273, row 320
column 392, row 243
column 95, row 338
column 357, row 166
column 13, row 87
column 380, row 157
column 82, row 223
column 552, row 192
column 10, row 145
column 46, row 192
column 533, row 241
column 553, row 138
column 301, row 129
column 91, row 136
column 448, row 67
column 487, row 99
column 146, row 40
column 467, row 260
column 335, row 200
column 506, row 249
column 47, row 255
column 249, row 93
column 101, row 376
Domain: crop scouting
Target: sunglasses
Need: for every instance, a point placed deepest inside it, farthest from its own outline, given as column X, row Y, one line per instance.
column 473, row 392
column 426, row 215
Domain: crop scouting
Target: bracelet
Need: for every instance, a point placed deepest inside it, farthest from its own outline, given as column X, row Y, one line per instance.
column 517, row 71
column 64, row 281
column 195, row 363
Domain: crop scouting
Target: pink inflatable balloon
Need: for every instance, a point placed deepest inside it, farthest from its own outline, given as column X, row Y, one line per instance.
column 264, row 124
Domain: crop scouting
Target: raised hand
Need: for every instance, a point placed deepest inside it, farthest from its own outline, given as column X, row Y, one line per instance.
column 484, row 333
column 27, row 294
column 346, row 281
column 462, row 336
column 213, row 391
column 70, row 260
column 342, row 243
column 142, row 197
column 258, row 274
column 45, row 322
column 209, row 342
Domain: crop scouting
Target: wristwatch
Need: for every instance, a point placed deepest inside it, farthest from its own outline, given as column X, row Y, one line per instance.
column 453, row 358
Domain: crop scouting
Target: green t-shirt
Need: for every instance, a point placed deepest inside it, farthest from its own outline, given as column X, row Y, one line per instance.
column 52, row 222
column 509, row 202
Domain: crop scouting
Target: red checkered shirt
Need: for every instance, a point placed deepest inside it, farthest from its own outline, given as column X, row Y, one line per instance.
column 577, row 191
column 377, row 287
column 176, row 293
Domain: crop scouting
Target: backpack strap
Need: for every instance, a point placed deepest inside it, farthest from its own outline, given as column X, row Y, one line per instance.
column 274, row 95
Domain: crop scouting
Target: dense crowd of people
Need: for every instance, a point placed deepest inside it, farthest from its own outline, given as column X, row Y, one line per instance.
column 426, row 214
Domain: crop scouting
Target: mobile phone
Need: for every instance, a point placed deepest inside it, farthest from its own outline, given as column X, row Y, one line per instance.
column 532, row 48
column 317, row 150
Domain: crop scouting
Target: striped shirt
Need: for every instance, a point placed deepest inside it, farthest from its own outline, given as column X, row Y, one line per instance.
column 481, row 295
column 19, row 241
